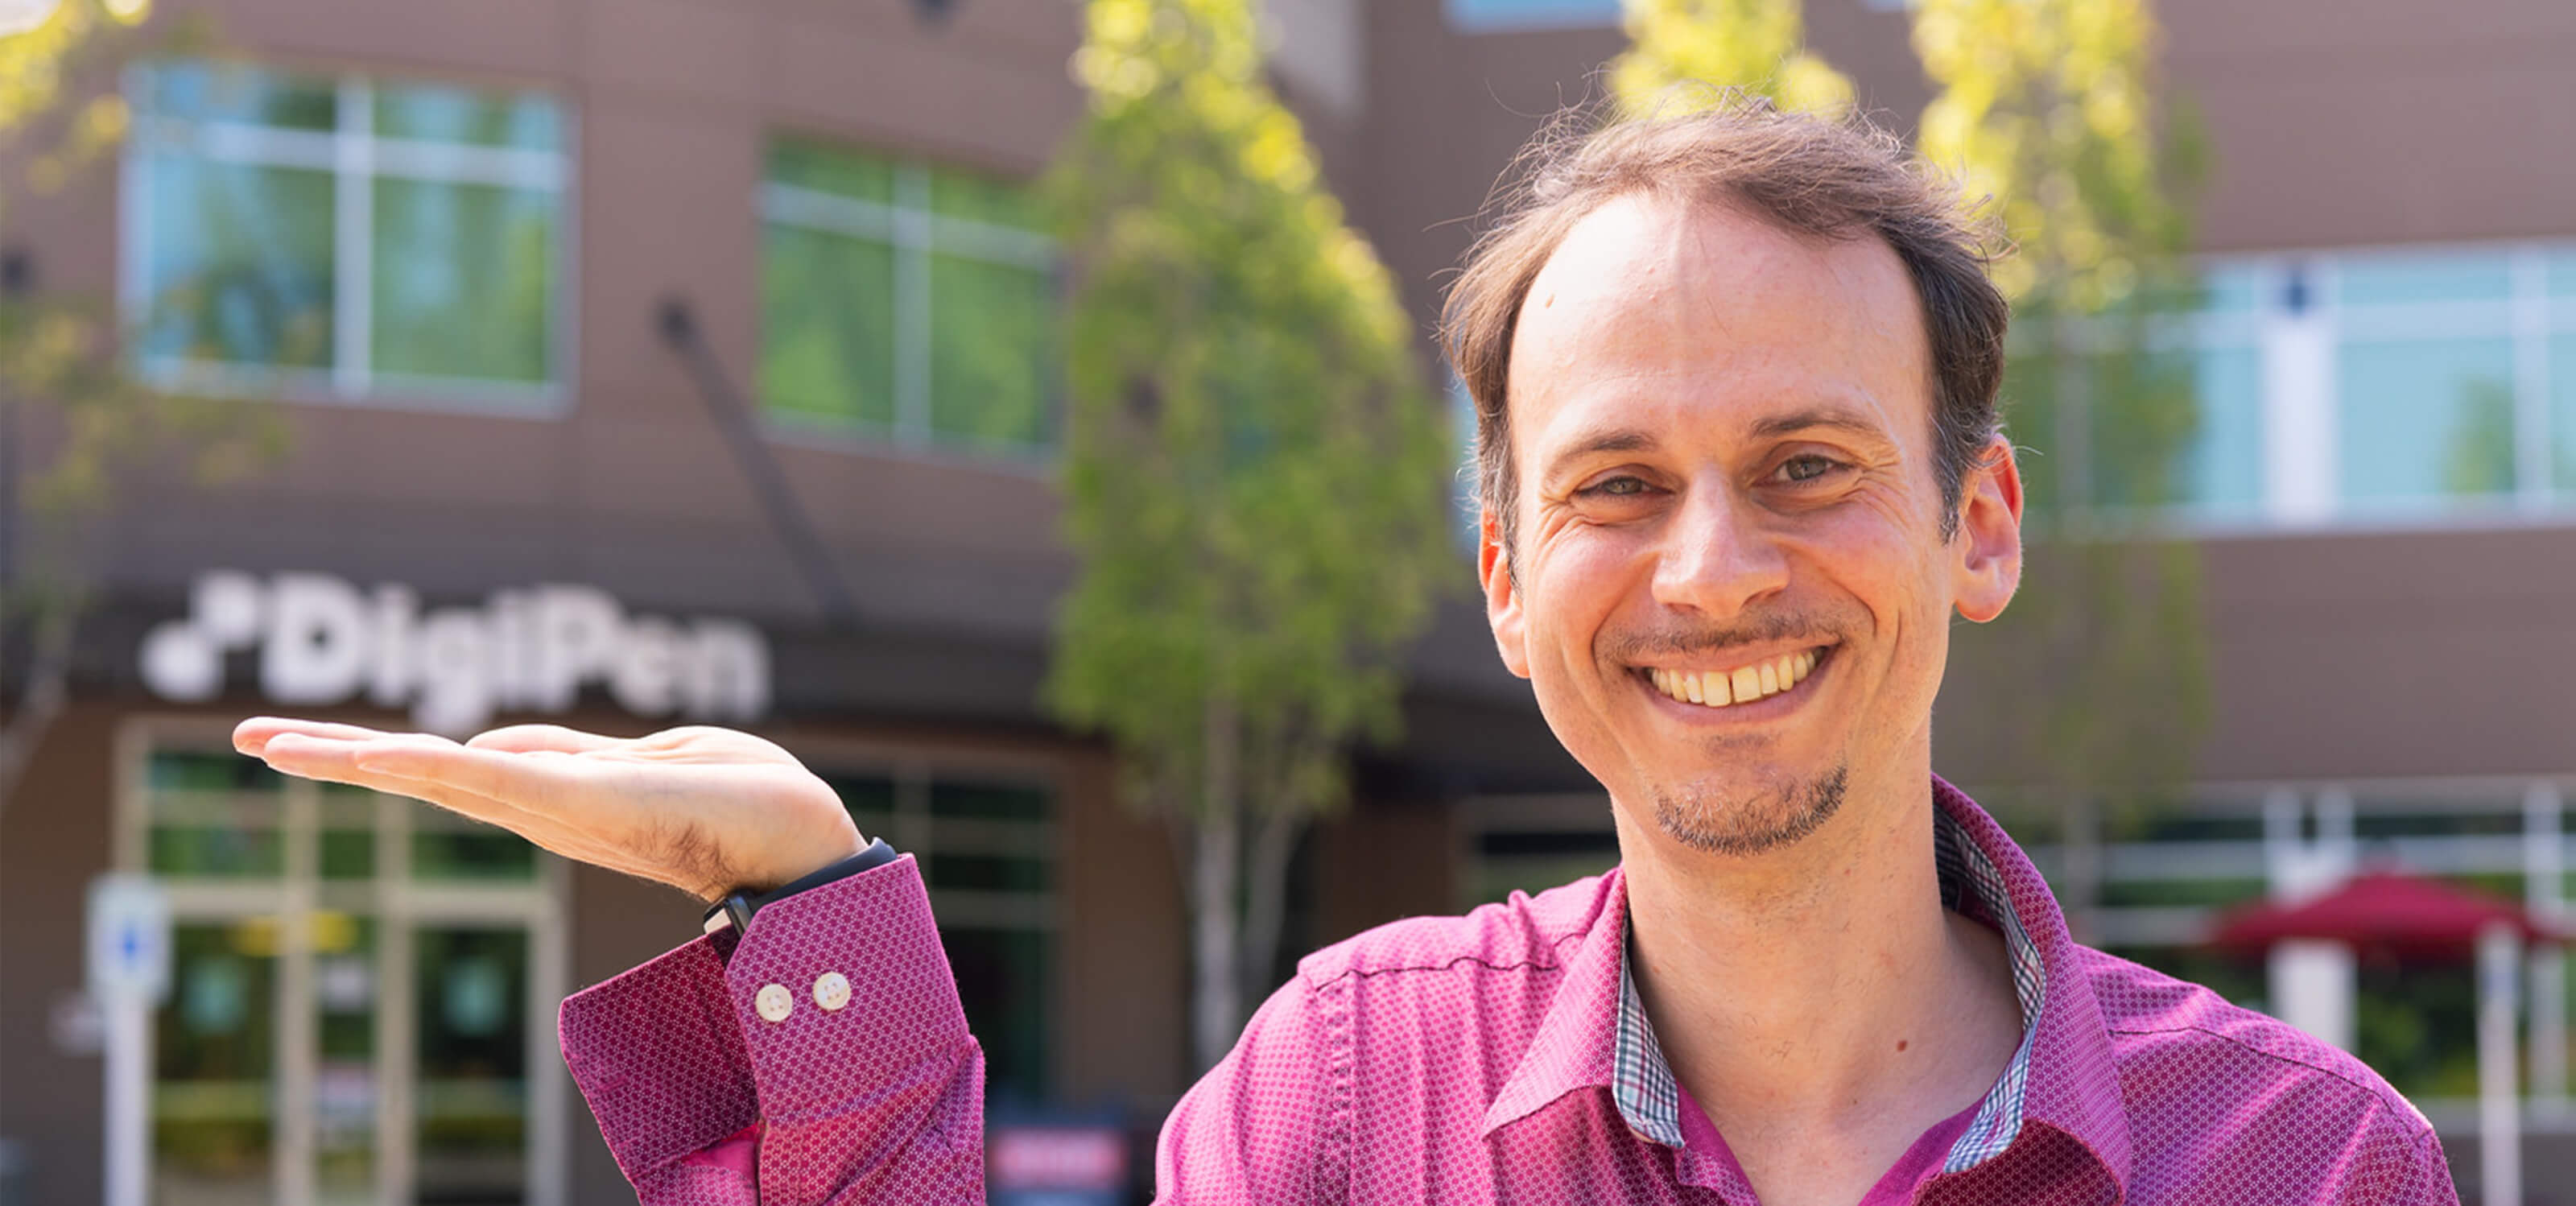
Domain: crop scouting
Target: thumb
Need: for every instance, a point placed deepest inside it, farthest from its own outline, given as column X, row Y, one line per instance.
column 540, row 738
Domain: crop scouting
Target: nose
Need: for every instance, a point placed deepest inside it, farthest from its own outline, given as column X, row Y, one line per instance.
column 1717, row 556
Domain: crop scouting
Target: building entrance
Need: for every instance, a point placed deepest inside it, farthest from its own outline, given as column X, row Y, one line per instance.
column 358, row 995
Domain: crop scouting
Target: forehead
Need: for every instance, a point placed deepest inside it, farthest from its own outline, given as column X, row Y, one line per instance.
column 1659, row 314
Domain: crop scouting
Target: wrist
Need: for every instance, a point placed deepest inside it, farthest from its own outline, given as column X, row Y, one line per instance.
column 735, row 909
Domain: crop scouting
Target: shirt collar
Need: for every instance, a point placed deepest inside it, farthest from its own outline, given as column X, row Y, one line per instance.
column 1596, row 1033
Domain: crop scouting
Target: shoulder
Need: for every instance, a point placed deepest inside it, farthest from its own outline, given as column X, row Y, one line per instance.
column 2230, row 1091
column 1521, row 933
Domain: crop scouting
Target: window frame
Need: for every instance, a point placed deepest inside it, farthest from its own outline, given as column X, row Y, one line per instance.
column 913, row 232
column 912, row 770
column 2297, row 354
column 356, row 157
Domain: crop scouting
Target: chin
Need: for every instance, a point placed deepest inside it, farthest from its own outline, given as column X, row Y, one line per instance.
column 1739, row 818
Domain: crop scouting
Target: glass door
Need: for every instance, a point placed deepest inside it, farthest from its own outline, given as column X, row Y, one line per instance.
column 360, row 990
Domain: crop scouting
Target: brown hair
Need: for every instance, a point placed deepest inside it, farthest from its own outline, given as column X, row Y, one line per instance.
column 1811, row 176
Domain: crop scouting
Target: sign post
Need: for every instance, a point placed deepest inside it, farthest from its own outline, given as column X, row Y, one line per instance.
column 129, row 974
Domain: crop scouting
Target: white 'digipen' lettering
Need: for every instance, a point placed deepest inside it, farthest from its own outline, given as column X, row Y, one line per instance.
column 321, row 642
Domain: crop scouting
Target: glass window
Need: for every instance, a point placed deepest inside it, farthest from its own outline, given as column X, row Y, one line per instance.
column 987, row 852
column 2562, row 412
column 2424, row 420
column 240, row 260
column 2409, row 278
column 2562, row 275
column 464, row 280
column 356, row 232
column 905, row 299
column 1489, row 16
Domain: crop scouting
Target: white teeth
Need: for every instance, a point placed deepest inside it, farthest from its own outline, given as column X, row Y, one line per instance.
column 1716, row 689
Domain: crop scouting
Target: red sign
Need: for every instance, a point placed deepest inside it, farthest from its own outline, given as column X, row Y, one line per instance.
column 1057, row 1158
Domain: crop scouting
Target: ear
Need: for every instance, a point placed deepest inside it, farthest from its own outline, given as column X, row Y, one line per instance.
column 1988, row 544
column 1502, row 595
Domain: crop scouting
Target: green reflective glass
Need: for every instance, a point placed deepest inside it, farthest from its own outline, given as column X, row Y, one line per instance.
column 197, row 90
column 983, row 872
column 827, row 327
column 992, row 335
column 470, row 1002
column 2411, row 277
column 237, row 262
column 430, row 113
column 1002, row 981
column 464, row 281
column 213, row 1068
column 206, row 770
column 1000, row 802
column 870, row 801
column 345, row 1074
column 216, row 852
column 2423, row 420
column 841, row 172
column 955, row 194
column 492, row 855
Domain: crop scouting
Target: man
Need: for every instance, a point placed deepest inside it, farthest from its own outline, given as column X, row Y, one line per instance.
column 1736, row 379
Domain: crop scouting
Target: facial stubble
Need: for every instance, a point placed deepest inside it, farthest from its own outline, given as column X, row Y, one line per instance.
column 1705, row 820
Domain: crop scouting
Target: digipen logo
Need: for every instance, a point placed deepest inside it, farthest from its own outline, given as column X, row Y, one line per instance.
column 321, row 642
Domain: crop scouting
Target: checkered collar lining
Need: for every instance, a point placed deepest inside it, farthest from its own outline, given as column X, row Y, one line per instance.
column 1642, row 1083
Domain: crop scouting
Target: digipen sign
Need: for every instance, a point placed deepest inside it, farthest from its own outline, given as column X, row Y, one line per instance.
column 323, row 642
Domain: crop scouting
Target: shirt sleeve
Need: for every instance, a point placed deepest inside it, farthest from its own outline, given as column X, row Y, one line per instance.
column 858, row 1080
column 1271, row 1122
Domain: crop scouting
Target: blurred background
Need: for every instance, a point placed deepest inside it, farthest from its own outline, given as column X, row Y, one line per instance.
column 807, row 366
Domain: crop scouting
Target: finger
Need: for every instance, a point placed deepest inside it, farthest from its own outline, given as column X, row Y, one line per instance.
column 524, row 781
column 541, row 738
column 253, row 735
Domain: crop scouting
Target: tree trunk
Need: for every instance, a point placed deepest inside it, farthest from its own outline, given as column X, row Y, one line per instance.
column 42, row 697
column 1274, row 842
column 1216, row 879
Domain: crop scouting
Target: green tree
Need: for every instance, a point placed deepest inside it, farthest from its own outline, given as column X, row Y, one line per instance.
column 1686, row 54
column 1255, row 480
column 71, row 418
column 2048, row 106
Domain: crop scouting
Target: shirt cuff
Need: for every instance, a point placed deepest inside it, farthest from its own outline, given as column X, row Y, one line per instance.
column 660, row 1059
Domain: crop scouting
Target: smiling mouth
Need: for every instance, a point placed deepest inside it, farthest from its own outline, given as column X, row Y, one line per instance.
column 1740, row 685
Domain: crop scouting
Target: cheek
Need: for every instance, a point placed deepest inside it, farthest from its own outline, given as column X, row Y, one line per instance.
column 1584, row 577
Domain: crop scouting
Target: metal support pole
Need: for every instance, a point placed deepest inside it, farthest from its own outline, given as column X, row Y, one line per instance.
column 2499, row 1104
column 680, row 330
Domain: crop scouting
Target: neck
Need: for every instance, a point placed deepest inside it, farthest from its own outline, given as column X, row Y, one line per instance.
column 1821, row 985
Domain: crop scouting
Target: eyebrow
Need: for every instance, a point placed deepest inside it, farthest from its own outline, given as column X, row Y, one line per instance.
column 1621, row 439
column 1630, row 439
column 1808, row 420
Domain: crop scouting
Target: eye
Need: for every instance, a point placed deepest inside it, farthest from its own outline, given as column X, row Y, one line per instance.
column 1807, row 468
column 1622, row 486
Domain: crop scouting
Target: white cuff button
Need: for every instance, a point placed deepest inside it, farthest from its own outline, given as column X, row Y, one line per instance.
column 832, row 991
column 774, row 1002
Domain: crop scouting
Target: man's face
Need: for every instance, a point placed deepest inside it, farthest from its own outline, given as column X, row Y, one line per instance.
column 1724, row 438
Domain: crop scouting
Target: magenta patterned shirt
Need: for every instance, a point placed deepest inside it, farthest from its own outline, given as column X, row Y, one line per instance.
column 1496, row 1057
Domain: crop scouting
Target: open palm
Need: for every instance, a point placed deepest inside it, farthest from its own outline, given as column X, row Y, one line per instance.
column 704, row 809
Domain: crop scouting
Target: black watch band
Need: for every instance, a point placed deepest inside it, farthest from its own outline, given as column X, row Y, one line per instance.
column 736, row 908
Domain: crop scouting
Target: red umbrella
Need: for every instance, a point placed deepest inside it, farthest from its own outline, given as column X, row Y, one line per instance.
column 2405, row 913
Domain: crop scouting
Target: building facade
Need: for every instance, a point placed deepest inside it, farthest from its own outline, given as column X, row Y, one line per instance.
column 517, row 277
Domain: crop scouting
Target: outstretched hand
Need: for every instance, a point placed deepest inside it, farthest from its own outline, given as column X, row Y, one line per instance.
column 706, row 810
